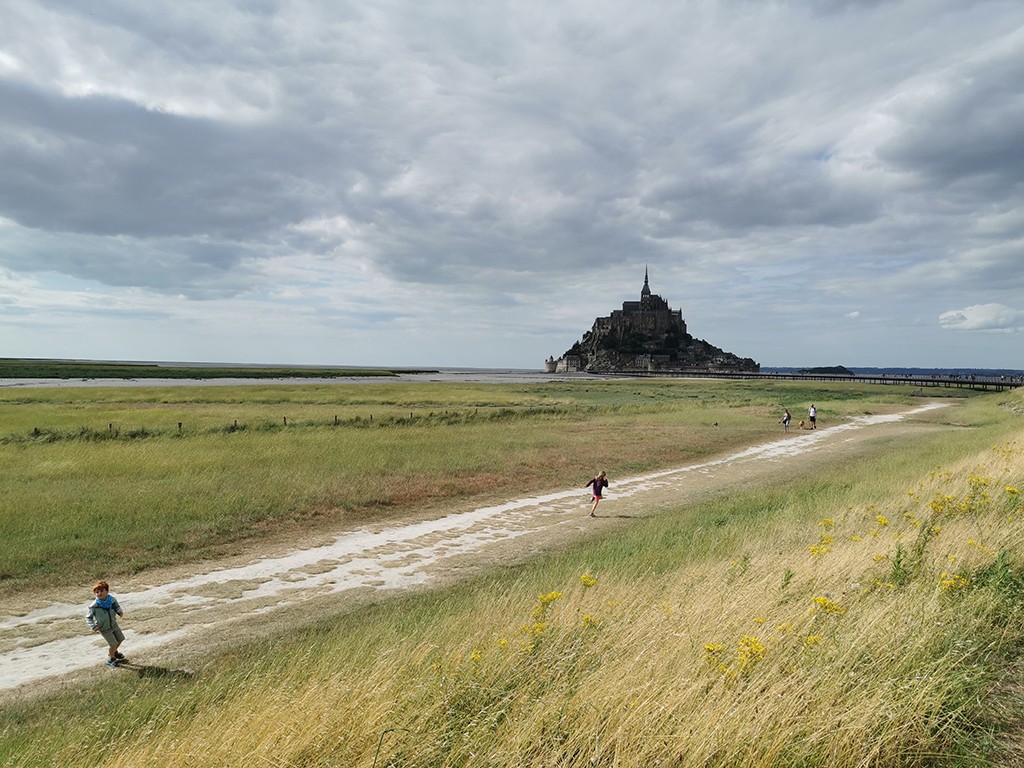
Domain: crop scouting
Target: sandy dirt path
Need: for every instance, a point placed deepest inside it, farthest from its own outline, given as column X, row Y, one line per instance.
column 47, row 643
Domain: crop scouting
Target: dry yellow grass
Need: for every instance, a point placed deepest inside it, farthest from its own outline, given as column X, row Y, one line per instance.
column 848, row 623
column 867, row 637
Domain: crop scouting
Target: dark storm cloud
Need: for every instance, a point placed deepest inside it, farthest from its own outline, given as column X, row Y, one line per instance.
column 971, row 131
column 196, row 269
column 101, row 166
column 736, row 199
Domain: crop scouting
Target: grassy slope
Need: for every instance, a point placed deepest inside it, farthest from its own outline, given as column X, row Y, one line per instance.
column 700, row 642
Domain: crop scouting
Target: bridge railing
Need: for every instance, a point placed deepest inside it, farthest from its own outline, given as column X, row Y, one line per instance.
column 994, row 383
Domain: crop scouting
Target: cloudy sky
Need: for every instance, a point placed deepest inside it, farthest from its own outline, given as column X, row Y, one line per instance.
column 442, row 183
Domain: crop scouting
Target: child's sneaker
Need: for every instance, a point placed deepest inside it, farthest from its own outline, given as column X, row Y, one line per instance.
column 120, row 656
column 112, row 662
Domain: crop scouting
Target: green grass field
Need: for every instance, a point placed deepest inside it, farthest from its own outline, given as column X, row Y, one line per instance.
column 869, row 615
column 104, row 482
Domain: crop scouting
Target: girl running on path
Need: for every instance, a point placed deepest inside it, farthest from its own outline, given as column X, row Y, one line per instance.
column 599, row 482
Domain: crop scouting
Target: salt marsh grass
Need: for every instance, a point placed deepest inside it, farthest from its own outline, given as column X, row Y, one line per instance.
column 869, row 616
column 104, row 481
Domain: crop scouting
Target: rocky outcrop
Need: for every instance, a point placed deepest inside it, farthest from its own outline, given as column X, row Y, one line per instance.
column 645, row 335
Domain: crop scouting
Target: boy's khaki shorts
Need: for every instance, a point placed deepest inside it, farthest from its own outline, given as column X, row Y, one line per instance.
column 114, row 637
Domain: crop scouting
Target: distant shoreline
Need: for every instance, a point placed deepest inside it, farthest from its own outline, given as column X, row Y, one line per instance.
column 454, row 376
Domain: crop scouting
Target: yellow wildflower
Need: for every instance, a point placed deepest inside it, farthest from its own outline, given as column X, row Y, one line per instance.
column 978, row 481
column 829, row 605
column 712, row 652
column 750, row 650
column 543, row 601
column 951, row 583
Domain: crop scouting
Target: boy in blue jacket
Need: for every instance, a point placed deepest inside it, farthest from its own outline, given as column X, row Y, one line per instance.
column 102, row 617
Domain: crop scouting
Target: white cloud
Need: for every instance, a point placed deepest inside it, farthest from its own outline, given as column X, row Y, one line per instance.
column 984, row 317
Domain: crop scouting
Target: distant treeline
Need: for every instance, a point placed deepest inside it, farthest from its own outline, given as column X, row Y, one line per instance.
column 73, row 369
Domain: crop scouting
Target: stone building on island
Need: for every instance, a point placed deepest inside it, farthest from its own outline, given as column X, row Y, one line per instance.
column 645, row 335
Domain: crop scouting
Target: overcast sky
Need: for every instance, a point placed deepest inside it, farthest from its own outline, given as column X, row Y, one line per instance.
column 441, row 183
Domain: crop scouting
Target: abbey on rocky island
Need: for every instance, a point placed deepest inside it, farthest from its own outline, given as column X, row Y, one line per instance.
column 645, row 335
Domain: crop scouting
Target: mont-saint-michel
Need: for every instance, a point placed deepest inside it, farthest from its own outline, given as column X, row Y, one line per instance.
column 645, row 335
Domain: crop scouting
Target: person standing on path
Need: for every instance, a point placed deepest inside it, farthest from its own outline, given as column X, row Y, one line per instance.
column 785, row 419
column 102, row 617
column 812, row 416
column 599, row 482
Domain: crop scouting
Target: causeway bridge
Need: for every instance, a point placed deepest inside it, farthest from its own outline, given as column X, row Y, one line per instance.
column 989, row 383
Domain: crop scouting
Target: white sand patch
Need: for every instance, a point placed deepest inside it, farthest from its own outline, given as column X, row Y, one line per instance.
column 61, row 657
